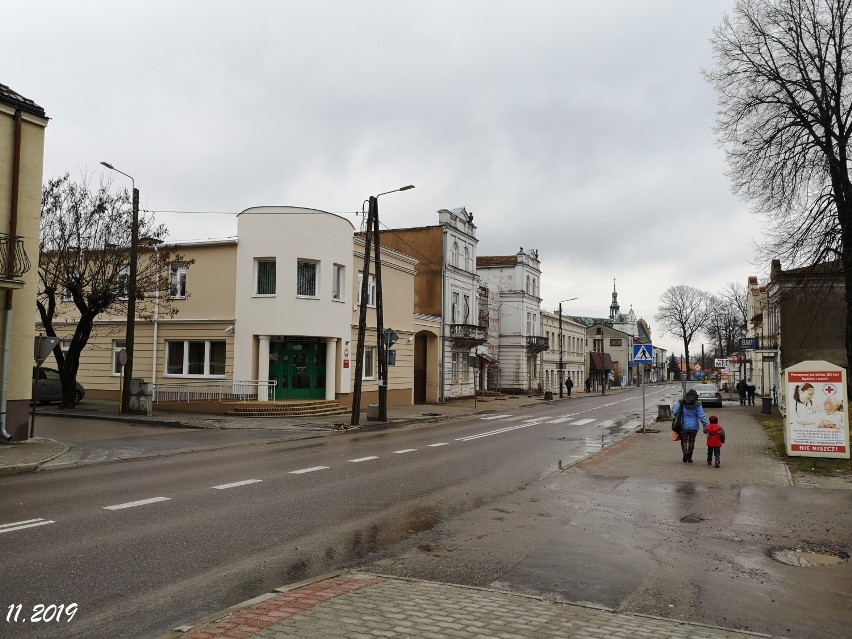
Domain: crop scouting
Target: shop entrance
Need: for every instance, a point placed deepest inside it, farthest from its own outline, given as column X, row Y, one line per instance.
column 298, row 365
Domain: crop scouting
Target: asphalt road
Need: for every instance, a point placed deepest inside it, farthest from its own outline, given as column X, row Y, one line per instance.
column 145, row 546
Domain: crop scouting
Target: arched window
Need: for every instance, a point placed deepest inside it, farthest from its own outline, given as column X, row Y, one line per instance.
column 528, row 284
column 466, row 258
column 454, row 256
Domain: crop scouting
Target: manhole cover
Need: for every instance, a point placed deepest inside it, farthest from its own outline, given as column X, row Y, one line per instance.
column 807, row 555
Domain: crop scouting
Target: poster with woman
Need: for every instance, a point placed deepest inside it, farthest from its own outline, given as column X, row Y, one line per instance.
column 816, row 422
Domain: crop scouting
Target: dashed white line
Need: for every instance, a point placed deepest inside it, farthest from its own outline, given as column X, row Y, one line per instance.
column 496, row 432
column 27, row 523
column 404, row 450
column 308, row 470
column 494, row 417
column 583, row 422
column 515, row 419
column 245, row 482
column 363, row 459
column 133, row 504
column 439, row 444
column 560, row 420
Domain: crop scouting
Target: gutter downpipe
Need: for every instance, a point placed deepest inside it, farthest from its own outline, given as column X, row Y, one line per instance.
column 156, row 319
column 442, row 398
column 7, row 319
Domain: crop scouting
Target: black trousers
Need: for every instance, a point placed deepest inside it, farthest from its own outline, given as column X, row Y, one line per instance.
column 687, row 442
column 714, row 451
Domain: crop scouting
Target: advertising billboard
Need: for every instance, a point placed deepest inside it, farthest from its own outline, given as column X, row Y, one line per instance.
column 816, row 423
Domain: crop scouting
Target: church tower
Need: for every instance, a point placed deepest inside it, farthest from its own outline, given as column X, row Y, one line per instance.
column 614, row 308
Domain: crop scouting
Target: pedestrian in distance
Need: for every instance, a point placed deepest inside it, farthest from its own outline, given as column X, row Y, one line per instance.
column 751, row 389
column 588, row 384
column 693, row 420
column 569, row 384
column 741, row 391
column 715, row 438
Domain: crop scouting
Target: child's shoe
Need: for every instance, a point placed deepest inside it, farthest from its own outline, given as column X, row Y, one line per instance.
column 717, row 464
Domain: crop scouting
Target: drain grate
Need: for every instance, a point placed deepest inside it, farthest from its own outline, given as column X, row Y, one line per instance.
column 808, row 555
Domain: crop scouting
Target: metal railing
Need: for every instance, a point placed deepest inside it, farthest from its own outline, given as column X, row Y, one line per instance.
column 215, row 390
column 13, row 258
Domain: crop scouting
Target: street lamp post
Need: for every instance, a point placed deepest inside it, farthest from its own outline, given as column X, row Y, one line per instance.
column 561, row 346
column 131, row 295
column 372, row 236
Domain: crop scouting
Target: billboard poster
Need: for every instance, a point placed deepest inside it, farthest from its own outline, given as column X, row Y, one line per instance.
column 816, row 420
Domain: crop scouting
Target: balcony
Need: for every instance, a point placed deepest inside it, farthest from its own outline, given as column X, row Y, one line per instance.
column 13, row 258
column 537, row 344
column 466, row 336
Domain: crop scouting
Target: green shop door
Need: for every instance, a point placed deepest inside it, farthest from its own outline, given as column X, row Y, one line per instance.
column 298, row 365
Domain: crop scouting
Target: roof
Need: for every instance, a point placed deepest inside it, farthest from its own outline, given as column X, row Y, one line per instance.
column 496, row 260
column 16, row 100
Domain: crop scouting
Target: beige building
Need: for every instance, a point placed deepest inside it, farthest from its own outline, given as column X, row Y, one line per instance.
column 571, row 342
column 22, row 127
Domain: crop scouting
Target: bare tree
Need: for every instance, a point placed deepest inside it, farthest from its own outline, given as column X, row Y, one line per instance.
column 683, row 313
column 727, row 316
column 83, row 265
column 785, row 121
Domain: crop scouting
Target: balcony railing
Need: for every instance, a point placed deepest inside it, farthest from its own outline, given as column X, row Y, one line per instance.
column 215, row 390
column 13, row 258
column 537, row 344
column 467, row 335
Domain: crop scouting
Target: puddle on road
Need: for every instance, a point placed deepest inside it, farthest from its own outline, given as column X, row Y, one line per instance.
column 806, row 556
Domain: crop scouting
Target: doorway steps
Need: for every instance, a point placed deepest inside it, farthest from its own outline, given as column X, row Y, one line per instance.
column 289, row 408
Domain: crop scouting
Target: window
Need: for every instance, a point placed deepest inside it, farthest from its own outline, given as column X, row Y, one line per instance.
column 266, row 276
column 454, row 311
column 615, row 341
column 177, row 280
column 528, row 284
column 117, row 347
column 529, row 324
column 306, row 278
column 337, row 282
column 371, row 290
column 369, row 362
column 467, row 259
column 454, row 255
column 123, row 281
column 195, row 358
column 455, row 369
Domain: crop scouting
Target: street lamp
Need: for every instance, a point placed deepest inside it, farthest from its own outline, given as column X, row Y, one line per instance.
column 131, row 295
column 372, row 235
column 561, row 340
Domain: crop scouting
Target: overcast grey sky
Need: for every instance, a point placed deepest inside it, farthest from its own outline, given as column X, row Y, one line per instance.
column 581, row 129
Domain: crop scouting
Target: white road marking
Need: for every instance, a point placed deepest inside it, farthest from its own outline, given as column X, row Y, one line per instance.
column 308, row 470
column 27, row 523
column 439, row 444
column 560, row 420
column 404, row 450
column 607, row 423
column 245, row 482
column 133, row 504
column 583, row 422
column 631, row 425
column 495, row 417
column 496, row 432
column 361, row 459
column 518, row 418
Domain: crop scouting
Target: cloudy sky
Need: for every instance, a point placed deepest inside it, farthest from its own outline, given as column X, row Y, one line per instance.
column 581, row 129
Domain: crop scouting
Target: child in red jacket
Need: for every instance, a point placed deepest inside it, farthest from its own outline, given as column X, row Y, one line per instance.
column 715, row 438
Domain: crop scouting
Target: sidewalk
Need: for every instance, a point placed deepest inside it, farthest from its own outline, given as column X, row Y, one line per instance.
column 365, row 605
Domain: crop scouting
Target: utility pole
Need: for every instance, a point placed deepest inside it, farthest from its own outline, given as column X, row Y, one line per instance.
column 355, row 418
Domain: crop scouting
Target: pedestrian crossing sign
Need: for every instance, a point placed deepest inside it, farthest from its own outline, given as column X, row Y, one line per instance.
column 643, row 354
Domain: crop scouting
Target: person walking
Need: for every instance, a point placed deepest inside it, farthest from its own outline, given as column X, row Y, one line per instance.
column 569, row 384
column 751, row 389
column 741, row 391
column 588, row 384
column 693, row 419
column 715, row 438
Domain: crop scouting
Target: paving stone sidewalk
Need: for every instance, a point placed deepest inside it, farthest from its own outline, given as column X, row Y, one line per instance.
column 367, row 606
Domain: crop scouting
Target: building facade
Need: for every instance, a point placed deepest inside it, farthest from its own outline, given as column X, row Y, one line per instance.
column 22, row 130
column 568, row 339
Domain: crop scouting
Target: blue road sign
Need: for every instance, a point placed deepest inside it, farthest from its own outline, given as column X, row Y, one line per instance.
column 643, row 353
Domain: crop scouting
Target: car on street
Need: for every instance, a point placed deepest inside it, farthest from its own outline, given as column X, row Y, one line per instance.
column 48, row 387
column 709, row 395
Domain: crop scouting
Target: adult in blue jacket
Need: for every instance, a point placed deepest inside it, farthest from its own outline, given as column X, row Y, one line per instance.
column 694, row 419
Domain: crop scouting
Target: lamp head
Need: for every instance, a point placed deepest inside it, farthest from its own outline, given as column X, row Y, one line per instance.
column 406, row 188
column 108, row 165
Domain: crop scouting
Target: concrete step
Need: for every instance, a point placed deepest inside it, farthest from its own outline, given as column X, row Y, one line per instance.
column 304, row 408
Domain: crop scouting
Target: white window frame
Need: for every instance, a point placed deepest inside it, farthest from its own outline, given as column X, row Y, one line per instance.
column 117, row 346
column 454, row 254
column 208, row 363
column 454, row 309
column 265, row 260
column 312, row 294
column 467, row 259
column 338, row 279
column 371, row 289
column 370, row 363
column 177, row 280
column 454, row 372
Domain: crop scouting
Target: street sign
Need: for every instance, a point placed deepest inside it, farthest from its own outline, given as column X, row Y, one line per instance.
column 391, row 337
column 748, row 343
column 643, row 353
column 43, row 347
column 722, row 362
column 122, row 356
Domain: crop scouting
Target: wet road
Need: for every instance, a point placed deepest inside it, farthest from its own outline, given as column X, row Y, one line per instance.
column 151, row 544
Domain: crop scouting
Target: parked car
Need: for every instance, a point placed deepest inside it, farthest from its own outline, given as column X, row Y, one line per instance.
column 709, row 395
column 48, row 388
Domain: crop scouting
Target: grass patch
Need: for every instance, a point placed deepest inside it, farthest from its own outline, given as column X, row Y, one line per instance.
column 773, row 425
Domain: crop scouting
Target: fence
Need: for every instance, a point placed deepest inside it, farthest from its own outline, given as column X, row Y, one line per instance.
column 220, row 390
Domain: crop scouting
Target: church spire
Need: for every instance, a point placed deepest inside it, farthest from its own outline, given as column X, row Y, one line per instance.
column 614, row 308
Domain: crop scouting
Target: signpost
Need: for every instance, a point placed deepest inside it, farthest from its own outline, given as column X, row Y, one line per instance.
column 643, row 354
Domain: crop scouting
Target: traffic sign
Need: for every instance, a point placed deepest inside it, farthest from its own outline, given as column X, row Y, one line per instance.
column 643, row 353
